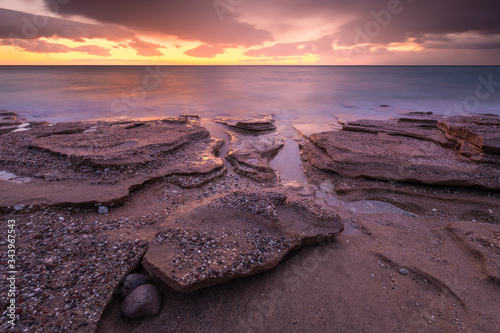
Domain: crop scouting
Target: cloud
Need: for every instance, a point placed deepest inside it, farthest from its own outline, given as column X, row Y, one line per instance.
column 205, row 51
column 42, row 46
column 187, row 19
column 322, row 45
column 459, row 41
column 14, row 24
column 374, row 21
column 146, row 49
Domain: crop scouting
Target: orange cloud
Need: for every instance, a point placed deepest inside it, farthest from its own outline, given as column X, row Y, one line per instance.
column 205, row 51
column 146, row 49
column 42, row 46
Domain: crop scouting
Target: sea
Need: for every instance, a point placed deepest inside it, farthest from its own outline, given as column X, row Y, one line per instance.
column 295, row 94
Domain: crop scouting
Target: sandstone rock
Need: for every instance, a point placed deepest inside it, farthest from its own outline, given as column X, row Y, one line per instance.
column 250, row 155
column 415, row 126
column 482, row 242
column 102, row 167
column 144, row 301
column 197, row 248
column 258, row 123
column 477, row 136
column 254, row 164
column 132, row 281
column 387, row 151
column 118, row 144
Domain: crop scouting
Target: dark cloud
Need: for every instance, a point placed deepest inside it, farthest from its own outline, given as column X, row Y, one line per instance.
column 187, row 19
column 42, row 46
column 444, row 24
column 386, row 21
column 14, row 24
column 463, row 41
column 205, row 51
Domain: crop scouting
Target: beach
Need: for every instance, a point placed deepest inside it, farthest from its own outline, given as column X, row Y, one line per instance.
column 249, row 166
column 250, row 224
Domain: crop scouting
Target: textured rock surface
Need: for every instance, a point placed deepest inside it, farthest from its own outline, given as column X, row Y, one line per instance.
column 69, row 165
column 254, row 164
column 257, row 123
column 198, row 248
column 250, row 154
column 481, row 241
column 391, row 151
column 477, row 136
column 144, row 301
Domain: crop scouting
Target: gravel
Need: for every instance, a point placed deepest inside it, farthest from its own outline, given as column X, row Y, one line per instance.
column 66, row 271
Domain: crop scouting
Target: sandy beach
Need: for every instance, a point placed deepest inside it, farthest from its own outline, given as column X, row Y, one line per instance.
column 379, row 226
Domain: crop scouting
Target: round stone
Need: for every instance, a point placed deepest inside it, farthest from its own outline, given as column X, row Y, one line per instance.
column 132, row 281
column 144, row 301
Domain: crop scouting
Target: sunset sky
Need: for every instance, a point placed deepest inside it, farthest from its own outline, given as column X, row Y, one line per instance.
column 244, row 32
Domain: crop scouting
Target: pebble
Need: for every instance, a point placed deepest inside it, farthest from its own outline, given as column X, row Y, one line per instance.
column 404, row 271
column 327, row 187
column 19, row 207
column 132, row 281
column 144, row 301
column 102, row 210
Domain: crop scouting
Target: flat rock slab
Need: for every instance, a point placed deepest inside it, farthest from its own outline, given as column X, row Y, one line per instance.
column 84, row 163
column 236, row 235
column 398, row 151
column 121, row 144
column 476, row 137
column 482, row 241
column 418, row 127
column 258, row 123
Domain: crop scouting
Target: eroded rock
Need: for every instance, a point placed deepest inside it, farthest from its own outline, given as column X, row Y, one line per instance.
column 482, row 241
column 197, row 248
column 259, row 123
column 477, row 136
column 415, row 151
column 254, row 164
column 101, row 167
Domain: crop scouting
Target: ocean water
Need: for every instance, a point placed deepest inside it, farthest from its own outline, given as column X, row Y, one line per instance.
column 296, row 94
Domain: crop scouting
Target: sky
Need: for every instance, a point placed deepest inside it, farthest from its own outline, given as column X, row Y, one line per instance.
column 250, row 32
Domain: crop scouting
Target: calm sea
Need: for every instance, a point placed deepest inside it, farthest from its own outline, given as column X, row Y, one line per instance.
column 304, row 94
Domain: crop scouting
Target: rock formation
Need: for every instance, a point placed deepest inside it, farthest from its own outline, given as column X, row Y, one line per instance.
column 70, row 164
column 419, row 149
column 236, row 235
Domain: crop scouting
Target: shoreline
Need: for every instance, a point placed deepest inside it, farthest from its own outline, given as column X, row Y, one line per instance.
column 391, row 222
